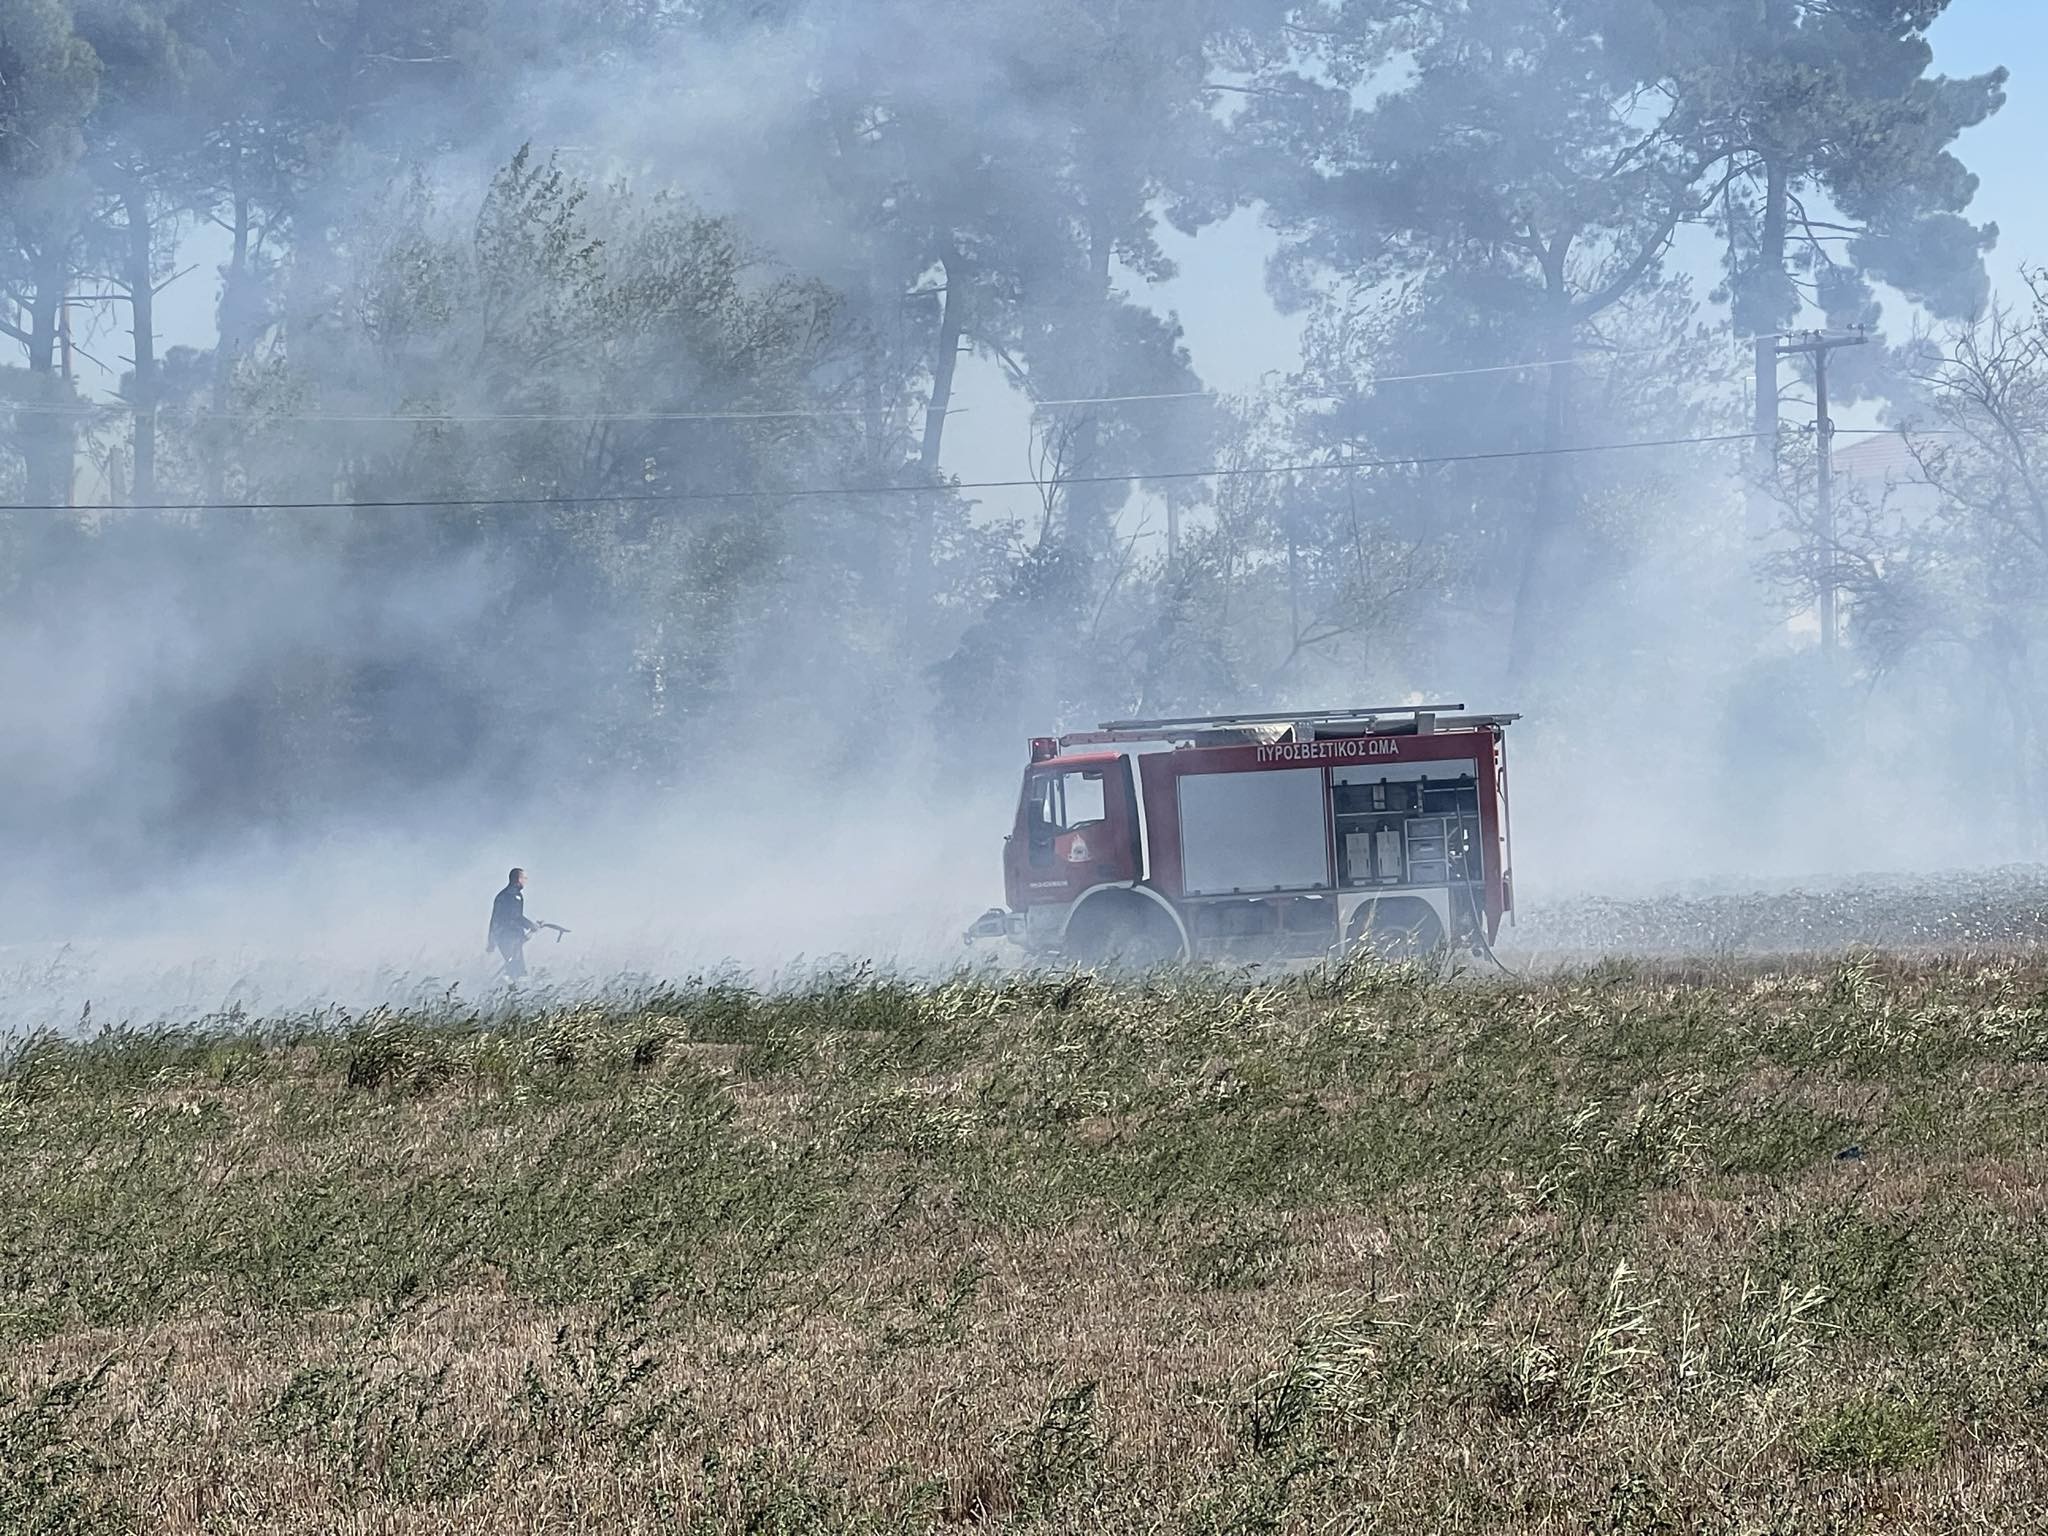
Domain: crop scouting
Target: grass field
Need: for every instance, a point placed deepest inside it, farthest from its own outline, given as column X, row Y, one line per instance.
column 1718, row 1249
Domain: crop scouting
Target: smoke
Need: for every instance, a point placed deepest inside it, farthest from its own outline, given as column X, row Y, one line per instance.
column 458, row 702
column 762, row 871
column 173, row 856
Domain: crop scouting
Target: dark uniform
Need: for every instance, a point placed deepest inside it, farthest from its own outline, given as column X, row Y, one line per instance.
column 510, row 929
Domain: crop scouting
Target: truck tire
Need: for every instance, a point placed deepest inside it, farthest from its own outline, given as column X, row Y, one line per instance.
column 1121, row 931
column 1396, row 929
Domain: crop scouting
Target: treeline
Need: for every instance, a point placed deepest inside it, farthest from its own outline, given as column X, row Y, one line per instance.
column 511, row 463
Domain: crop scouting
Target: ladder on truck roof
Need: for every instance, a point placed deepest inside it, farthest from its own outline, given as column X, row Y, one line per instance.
column 1424, row 716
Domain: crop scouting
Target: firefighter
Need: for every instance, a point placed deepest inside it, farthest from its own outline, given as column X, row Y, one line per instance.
column 510, row 926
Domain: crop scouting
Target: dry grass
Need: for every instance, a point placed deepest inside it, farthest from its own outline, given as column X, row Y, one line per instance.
column 1362, row 1252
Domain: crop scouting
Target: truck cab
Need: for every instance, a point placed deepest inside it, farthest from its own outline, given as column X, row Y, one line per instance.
column 1077, row 828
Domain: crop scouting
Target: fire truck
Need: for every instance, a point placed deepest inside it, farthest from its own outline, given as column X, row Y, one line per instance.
column 1262, row 838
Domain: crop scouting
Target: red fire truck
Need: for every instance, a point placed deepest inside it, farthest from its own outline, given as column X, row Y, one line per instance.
column 1262, row 838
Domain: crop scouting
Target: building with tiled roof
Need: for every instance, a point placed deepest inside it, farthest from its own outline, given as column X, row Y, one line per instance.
column 1883, row 467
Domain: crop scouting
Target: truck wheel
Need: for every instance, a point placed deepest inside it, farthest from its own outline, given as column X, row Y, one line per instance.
column 1121, row 932
column 1396, row 929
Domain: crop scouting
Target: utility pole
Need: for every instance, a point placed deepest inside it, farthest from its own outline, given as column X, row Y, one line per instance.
column 1818, row 346
column 70, row 394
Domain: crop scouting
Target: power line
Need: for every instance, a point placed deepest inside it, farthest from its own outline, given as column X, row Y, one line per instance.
column 1373, row 382
column 466, row 418
column 347, row 418
column 795, row 493
column 1579, row 360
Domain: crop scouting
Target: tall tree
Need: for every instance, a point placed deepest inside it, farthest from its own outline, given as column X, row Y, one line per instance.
column 140, row 159
column 1831, row 145
column 49, row 83
column 1498, row 160
column 991, row 191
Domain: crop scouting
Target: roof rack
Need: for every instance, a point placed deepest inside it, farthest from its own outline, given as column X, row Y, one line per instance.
column 1226, row 730
column 1283, row 717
